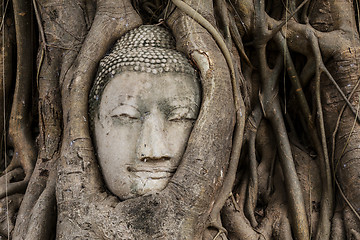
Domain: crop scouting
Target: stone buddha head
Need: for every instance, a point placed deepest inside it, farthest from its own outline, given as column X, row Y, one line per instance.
column 143, row 104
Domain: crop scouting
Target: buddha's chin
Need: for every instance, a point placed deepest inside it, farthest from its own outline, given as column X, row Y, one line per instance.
column 144, row 186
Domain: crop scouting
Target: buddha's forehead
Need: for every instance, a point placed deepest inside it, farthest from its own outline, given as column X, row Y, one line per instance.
column 145, row 89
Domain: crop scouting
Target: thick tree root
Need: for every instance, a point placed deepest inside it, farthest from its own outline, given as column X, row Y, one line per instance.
column 19, row 124
column 239, row 106
column 57, row 51
column 252, row 191
column 272, row 111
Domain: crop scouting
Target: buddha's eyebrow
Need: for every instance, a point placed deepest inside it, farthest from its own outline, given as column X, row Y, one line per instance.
column 127, row 97
column 181, row 102
column 123, row 99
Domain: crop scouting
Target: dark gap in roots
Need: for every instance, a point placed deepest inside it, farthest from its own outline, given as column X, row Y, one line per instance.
column 271, row 54
column 294, row 120
column 152, row 12
column 274, row 8
column 260, row 210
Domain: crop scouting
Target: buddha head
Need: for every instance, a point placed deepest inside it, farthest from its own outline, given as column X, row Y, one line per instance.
column 142, row 106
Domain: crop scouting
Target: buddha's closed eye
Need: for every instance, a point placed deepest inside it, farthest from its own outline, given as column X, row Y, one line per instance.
column 182, row 113
column 125, row 114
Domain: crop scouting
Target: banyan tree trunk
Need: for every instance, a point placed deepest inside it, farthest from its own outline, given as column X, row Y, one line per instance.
column 66, row 197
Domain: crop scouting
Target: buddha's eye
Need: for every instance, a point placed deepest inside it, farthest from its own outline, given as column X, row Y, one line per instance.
column 182, row 113
column 124, row 114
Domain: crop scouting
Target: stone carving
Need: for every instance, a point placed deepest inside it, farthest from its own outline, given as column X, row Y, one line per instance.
column 143, row 104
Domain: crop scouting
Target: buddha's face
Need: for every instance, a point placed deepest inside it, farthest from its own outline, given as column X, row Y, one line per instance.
column 143, row 125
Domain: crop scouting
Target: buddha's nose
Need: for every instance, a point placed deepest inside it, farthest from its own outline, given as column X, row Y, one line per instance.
column 152, row 145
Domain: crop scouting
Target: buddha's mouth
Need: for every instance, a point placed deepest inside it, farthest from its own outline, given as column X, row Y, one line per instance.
column 153, row 172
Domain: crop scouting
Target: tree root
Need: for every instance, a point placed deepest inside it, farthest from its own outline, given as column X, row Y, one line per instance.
column 352, row 224
column 6, row 78
column 8, row 210
column 240, row 114
column 275, row 222
column 19, row 125
column 234, row 220
column 327, row 201
column 338, row 228
column 252, row 191
column 13, row 182
column 266, row 148
column 320, row 147
column 111, row 20
column 53, row 56
column 44, row 208
column 272, row 111
column 78, row 163
column 347, row 200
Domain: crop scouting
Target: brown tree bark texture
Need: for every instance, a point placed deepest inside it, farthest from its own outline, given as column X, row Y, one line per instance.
column 66, row 197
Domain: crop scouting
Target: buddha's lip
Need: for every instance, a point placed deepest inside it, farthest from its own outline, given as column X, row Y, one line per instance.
column 151, row 172
column 151, row 169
